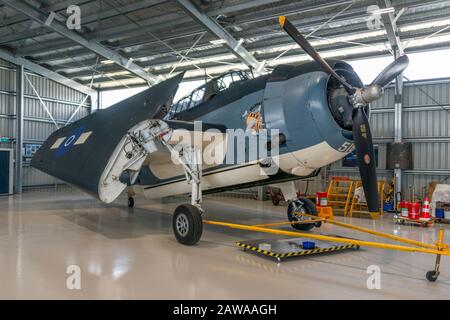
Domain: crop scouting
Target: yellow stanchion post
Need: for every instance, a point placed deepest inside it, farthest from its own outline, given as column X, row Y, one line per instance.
column 440, row 245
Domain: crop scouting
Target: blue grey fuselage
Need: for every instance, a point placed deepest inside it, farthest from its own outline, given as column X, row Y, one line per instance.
column 302, row 102
column 294, row 100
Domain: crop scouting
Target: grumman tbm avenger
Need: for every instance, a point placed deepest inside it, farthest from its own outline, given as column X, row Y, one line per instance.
column 318, row 111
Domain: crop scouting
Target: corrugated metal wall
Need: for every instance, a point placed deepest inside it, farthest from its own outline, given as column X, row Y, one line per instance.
column 426, row 124
column 61, row 101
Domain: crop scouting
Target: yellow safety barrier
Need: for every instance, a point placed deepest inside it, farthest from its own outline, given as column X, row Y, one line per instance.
column 439, row 248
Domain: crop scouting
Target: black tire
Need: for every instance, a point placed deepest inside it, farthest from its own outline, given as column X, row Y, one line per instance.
column 432, row 276
column 187, row 224
column 308, row 207
column 130, row 202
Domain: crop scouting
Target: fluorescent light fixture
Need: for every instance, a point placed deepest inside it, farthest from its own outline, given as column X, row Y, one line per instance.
column 218, row 41
column 123, row 82
column 217, row 58
column 342, row 39
column 109, row 74
column 381, row 11
column 425, row 25
column 107, row 62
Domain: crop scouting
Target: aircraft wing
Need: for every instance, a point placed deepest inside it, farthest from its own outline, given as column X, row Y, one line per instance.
column 88, row 152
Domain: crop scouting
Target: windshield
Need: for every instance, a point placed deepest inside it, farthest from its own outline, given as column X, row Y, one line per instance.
column 206, row 92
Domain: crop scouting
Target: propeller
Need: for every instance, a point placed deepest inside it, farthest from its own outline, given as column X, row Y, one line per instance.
column 359, row 98
column 391, row 72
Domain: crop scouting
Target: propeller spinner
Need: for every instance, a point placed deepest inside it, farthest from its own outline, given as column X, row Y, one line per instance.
column 359, row 98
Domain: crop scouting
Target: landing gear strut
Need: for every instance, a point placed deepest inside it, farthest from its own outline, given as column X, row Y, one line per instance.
column 187, row 222
column 432, row 275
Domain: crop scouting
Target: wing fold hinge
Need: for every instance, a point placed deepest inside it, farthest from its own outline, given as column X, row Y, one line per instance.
column 129, row 156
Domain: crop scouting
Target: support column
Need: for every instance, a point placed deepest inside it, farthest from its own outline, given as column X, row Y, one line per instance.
column 398, row 137
column 18, row 177
column 392, row 32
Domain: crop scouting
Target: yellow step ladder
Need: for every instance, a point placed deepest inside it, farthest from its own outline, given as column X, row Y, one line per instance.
column 339, row 194
column 361, row 207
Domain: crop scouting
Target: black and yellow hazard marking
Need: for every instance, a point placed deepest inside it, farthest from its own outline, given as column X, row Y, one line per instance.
column 296, row 253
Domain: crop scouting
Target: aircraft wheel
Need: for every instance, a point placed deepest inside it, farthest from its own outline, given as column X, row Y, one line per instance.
column 302, row 205
column 432, row 275
column 130, row 202
column 187, row 224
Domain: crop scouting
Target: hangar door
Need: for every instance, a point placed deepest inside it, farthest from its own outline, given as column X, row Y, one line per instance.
column 5, row 171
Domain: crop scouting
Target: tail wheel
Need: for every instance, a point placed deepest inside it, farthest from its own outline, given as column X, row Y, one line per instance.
column 187, row 224
column 130, row 202
column 302, row 205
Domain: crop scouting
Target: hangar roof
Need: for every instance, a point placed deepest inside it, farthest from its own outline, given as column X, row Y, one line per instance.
column 128, row 43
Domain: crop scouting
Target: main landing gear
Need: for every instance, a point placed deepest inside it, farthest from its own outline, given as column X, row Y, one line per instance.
column 187, row 222
column 294, row 212
column 298, row 207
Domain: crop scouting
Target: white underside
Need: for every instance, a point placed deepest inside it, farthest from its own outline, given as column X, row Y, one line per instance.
column 300, row 163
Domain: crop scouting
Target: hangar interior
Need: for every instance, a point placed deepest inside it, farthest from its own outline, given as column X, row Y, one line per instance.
column 53, row 73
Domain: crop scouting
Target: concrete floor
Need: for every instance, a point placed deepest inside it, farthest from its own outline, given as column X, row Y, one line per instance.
column 127, row 254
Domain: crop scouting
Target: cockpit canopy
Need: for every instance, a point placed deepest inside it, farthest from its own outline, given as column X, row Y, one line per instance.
column 207, row 92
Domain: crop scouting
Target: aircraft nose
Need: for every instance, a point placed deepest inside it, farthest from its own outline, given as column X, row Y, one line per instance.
column 341, row 108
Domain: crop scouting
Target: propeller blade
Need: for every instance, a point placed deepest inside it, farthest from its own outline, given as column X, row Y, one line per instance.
column 391, row 72
column 366, row 158
column 292, row 31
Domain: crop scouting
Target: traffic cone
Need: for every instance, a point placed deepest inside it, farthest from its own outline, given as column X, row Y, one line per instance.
column 425, row 213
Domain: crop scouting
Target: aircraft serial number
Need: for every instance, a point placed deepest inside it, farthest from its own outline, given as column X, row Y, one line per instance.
column 346, row 147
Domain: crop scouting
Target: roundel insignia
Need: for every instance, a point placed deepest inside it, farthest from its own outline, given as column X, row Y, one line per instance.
column 69, row 142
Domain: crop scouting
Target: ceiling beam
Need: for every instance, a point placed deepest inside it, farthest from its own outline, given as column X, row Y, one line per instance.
column 53, row 7
column 166, row 22
column 235, row 46
column 260, row 49
column 8, row 56
column 172, row 21
column 390, row 24
column 88, row 19
column 41, row 17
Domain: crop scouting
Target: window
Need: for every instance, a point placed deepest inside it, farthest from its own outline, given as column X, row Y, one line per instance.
column 206, row 91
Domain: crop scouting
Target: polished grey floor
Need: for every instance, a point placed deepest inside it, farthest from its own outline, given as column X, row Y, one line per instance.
column 125, row 254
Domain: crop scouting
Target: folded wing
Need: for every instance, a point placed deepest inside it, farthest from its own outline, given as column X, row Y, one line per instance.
column 81, row 152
